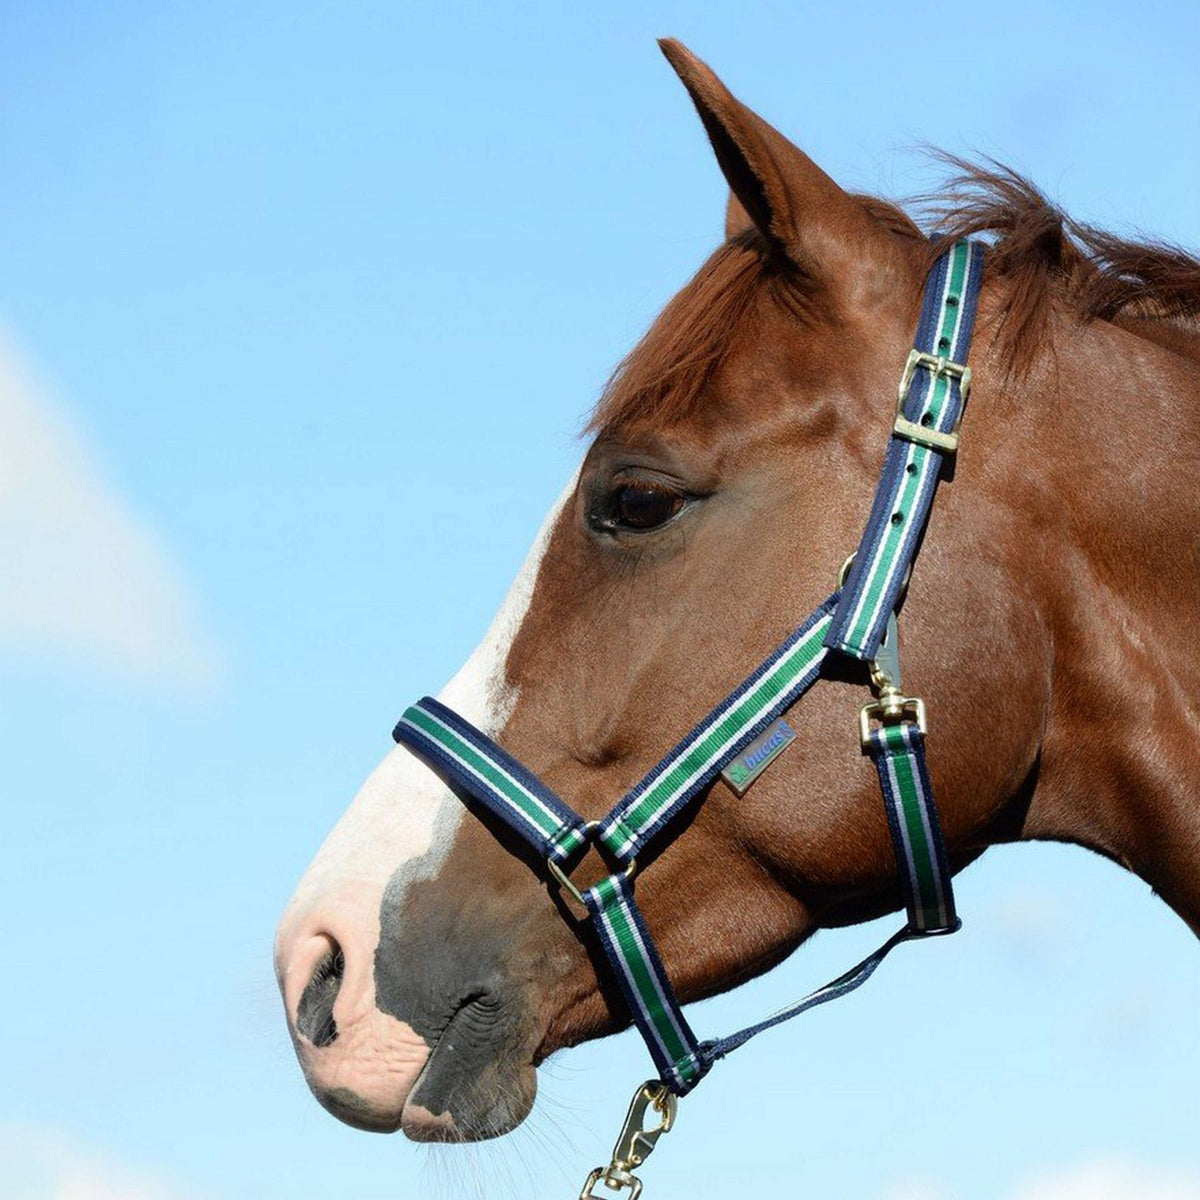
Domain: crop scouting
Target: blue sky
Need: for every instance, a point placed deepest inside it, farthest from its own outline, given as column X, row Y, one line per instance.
column 301, row 309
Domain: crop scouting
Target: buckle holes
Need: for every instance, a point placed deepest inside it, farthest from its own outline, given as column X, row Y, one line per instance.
column 897, row 518
column 911, row 469
column 943, row 343
column 951, row 301
column 927, row 419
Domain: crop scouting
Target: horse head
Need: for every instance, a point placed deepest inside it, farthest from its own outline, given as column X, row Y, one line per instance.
column 426, row 968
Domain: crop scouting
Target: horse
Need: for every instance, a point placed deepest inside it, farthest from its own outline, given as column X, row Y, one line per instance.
column 1051, row 627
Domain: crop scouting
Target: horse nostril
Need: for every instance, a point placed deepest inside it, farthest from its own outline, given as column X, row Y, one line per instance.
column 314, row 1013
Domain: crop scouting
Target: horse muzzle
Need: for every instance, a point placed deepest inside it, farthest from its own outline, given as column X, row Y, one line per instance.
column 421, row 1044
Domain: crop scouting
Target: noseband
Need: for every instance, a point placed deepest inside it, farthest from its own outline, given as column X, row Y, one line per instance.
column 741, row 735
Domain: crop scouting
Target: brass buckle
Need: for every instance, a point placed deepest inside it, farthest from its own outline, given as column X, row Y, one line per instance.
column 635, row 1142
column 911, row 431
column 890, row 708
column 568, row 884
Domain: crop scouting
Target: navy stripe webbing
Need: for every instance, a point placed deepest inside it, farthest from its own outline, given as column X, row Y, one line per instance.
column 488, row 772
column 667, row 788
column 898, row 752
column 933, row 400
column 644, row 984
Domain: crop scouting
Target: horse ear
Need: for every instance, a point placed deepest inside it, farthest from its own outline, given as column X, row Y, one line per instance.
column 775, row 185
column 737, row 219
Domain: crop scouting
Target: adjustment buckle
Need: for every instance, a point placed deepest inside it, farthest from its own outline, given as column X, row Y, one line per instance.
column 569, row 886
column 922, row 435
column 635, row 1142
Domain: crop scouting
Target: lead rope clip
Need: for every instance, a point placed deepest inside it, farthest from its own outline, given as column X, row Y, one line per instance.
column 890, row 705
column 635, row 1142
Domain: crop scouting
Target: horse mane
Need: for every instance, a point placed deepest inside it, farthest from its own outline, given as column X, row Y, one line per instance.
column 1149, row 287
column 1048, row 257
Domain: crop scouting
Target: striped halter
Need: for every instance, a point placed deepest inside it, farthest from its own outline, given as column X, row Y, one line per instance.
column 744, row 732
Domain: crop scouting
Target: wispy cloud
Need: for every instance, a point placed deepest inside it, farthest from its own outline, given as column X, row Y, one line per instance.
column 1029, row 922
column 1113, row 1179
column 1104, row 1179
column 42, row 1164
column 85, row 580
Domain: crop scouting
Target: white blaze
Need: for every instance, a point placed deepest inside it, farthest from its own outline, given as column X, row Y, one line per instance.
column 392, row 818
column 392, row 821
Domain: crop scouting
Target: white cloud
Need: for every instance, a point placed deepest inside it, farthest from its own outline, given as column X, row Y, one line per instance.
column 85, row 580
column 1030, row 921
column 1105, row 1179
column 1113, row 1180
column 37, row 1163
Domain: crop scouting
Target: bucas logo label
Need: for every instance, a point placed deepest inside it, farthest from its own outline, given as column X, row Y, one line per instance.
column 758, row 756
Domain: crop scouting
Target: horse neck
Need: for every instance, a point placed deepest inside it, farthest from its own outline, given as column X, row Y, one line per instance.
column 1106, row 458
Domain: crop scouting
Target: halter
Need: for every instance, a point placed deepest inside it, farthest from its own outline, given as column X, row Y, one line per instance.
column 740, row 736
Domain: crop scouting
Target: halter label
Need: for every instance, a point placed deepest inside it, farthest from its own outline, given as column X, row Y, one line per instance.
column 758, row 756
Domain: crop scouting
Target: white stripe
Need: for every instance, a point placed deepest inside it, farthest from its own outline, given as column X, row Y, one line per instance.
column 516, row 783
column 925, row 472
column 668, row 1008
column 962, row 304
column 803, row 643
column 922, row 809
column 898, row 808
column 929, row 839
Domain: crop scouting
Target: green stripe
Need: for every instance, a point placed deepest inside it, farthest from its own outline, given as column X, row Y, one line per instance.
column 639, row 970
column 739, row 718
column 568, row 840
column 912, row 809
column 502, row 782
column 920, row 456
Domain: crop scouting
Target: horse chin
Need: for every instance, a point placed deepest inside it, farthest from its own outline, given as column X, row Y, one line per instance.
column 457, row 1101
column 436, row 1100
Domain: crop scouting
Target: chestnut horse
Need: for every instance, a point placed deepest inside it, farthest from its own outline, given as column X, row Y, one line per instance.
column 1052, row 627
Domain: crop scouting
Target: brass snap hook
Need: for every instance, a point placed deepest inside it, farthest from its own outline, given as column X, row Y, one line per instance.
column 891, row 705
column 636, row 1140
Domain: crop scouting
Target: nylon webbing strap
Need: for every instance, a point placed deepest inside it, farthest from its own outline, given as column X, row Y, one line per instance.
column 911, row 471
column 834, row 990
column 667, row 788
column 496, row 779
column 898, row 752
column 644, row 984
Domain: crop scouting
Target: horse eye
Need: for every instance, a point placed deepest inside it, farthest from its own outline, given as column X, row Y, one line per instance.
column 644, row 505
